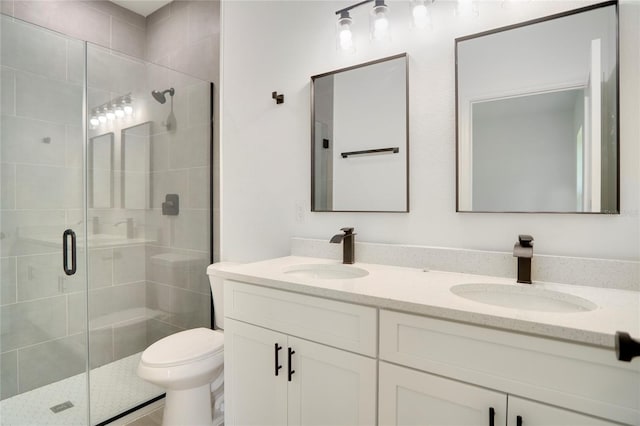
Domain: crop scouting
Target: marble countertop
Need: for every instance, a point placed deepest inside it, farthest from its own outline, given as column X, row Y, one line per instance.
column 421, row 292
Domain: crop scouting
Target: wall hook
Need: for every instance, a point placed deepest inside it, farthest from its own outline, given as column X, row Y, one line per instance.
column 279, row 98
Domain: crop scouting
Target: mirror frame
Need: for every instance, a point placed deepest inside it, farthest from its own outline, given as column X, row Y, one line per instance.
column 313, row 171
column 90, row 168
column 617, row 73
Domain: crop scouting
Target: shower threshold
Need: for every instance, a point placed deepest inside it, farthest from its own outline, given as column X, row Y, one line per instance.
column 115, row 388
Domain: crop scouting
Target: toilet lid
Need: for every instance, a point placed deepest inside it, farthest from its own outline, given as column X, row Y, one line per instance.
column 185, row 346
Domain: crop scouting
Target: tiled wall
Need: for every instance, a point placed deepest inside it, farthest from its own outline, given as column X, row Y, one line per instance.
column 140, row 291
column 185, row 36
column 100, row 22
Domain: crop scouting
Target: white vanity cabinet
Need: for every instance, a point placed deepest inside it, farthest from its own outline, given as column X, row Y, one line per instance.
column 289, row 359
column 469, row 369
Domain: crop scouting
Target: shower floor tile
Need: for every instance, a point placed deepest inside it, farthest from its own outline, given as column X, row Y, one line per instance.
column 115, row 388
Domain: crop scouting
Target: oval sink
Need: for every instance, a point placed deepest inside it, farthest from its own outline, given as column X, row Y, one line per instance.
column 523, row 297
column 326, row 272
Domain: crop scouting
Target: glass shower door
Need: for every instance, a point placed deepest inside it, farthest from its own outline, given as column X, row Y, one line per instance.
column 149, row 220
column 43, row 332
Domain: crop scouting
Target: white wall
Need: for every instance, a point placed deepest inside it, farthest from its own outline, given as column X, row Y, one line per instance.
column 271, row 46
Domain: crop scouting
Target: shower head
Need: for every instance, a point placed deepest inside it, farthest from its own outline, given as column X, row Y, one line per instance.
column 160, row 96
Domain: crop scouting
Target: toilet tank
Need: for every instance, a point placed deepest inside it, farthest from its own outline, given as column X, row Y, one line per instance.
column 217, row 292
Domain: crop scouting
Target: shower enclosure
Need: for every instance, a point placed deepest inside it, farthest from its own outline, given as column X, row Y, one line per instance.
column 88, row 151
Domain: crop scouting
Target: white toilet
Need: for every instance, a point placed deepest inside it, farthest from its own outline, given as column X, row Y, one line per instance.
column 189, row 365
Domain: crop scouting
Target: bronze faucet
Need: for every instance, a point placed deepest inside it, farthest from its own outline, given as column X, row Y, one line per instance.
column 523, row 250
column 348, row 246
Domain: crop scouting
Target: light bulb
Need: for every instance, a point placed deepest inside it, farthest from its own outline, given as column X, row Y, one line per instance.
column 111, row 115
column 94, row 121
column 345, row 36
column 119, row 111
column 421, row 15
column 103, row 115
column 380, row 22
column 419, row 11
column 126, row 105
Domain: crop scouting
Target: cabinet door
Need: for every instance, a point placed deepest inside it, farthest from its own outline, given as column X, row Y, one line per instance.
column 254, row 394
column 537, row 414
column 330, row 386
column 409, row 397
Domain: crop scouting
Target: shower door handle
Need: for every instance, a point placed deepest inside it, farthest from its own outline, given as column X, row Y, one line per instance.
column 65, row 252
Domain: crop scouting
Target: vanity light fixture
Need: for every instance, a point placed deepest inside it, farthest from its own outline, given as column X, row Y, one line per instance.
column 112, row 110
column 379, row 23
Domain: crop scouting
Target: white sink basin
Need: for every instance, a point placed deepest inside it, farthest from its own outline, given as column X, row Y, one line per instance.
column 523, row 297
column 326, row 272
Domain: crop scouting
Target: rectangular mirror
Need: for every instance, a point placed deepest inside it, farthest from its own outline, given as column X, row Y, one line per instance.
column 100, row 171
column 136, row 166
column 537, row 115
column 359, row 138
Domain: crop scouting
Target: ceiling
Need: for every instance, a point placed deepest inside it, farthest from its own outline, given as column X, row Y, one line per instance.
column 142, row 7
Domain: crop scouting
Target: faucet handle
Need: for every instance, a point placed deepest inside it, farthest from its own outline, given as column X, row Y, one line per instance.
column 525, row 240
column 347, row 230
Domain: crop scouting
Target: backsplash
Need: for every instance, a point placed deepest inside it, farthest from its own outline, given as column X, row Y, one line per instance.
column 605, row 273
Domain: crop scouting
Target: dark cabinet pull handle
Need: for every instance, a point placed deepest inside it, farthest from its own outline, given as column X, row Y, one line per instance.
column 492, row 415
column 291, row 370
column 278, row 366
column 518, row 420
column 627, row 348
column 65, row 255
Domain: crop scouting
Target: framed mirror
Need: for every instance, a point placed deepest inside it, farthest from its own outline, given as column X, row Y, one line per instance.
column 136, row 166
column 359, row 138
column 100, row 171
column 537, row 115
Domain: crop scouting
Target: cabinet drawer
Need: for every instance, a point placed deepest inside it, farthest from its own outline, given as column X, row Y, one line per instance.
column 338, row 324
column 578, row 377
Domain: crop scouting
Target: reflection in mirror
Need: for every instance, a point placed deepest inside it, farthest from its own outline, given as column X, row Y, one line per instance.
column 360, row 138
column 136, row 166
column 100, row 171
column 537, row 115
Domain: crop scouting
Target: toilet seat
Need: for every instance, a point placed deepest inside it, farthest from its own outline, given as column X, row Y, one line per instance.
column 183, row 348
